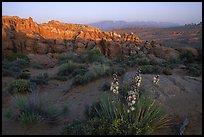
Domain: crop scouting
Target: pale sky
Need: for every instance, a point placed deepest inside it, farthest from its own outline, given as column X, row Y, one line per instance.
column 89, row 12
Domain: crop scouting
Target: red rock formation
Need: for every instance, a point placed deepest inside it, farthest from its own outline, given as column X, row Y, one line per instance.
column 25, row 35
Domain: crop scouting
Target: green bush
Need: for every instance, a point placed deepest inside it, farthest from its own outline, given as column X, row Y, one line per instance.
column 67, row 68
column 93, row 73
column 33, row 109
column 15, row 56
column 21, row 86
column 29, row 118
column 167, row 71
column 24, row 75
column 41, row 79
column 101, row 69
column 79, row 71
column 120, row 58
column 74, row 128
column 199, row 57
column 187, row 56
column 64, row 58
column 61, row 78
column 143, row 61
column 173, row 59
column 79, row 80
column 13, row 68
column 151, row 69
column 119, row 70
column 194, row 70
column 95, row 55
column 97, row 126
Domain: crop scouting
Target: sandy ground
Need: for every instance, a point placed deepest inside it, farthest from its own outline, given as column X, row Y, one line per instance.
column 180, row 94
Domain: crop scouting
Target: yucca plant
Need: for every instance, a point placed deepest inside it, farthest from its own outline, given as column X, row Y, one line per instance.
column 147, row 116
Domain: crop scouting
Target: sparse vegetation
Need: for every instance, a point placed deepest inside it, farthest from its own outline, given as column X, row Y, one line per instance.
column 67, row 68
column 194, row 70
column 151, row 69
column 33, row 109
column 187, row 56
column 70, row 56
column 94, row 55
column 167, row 71
column 41, row 79
column 21, row 86
column 16, row 56
column 94, row 72
column 13, row 68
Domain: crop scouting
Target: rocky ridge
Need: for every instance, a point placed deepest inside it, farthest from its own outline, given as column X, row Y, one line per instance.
column 26, row 36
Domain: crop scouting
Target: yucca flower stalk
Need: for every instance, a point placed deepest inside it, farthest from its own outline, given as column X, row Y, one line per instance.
column 115, row 85
column 138, row 80
column 156, row 80
column 132, row 97
column 155, row 84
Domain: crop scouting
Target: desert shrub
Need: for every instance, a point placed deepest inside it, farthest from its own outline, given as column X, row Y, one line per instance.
column 79, row 80
column 151, row 69
column 100, row 69
column 41, row 79
column 95, row 55
column 199, row 57
column 29, row 118
column 64, row 58
column 74, row 128
column 131, row 63
column 194, row 70
column 13, row 68
column 67, row 68
column 15, row 56
column 34, row 109
column 13, row 72
column 97, row 126
column 60, row 78
column 24, row 75
column 21, row 86
column 173, row 59
column 187, row 56
column 21, row 63
column 106, row 86
column 95, row 71
column 143, row 61
column 119, row 70
column 153, row 62
column 120, row 58
column 90, row 75
column 167, row 71
column 79, row 71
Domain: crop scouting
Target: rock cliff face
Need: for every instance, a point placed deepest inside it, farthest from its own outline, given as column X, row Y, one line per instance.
column 27, row 36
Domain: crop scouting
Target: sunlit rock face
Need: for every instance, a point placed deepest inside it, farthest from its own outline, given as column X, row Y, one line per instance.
column 26, row 36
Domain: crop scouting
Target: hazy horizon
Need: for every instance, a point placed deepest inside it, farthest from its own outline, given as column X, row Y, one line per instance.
column 91, row 12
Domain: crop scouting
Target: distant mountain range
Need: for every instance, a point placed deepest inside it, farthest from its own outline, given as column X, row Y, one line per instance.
column 108, row 25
